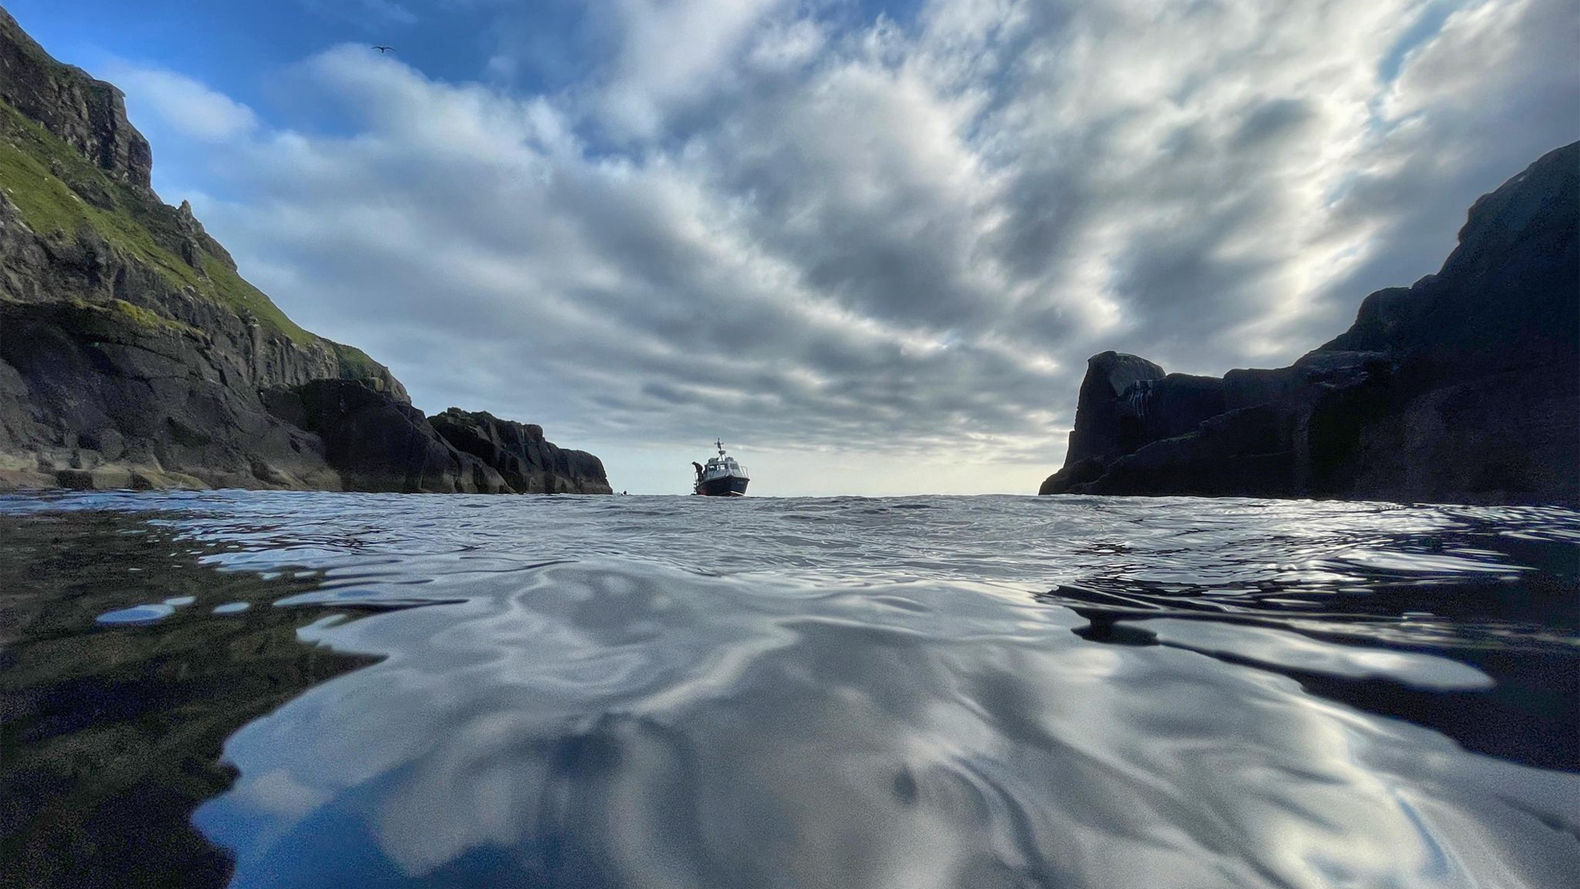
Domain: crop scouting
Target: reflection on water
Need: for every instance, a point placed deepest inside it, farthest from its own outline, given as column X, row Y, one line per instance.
column 112, row 727
column 639, row 691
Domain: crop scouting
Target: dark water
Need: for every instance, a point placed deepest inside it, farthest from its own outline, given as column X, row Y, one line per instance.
column 365, row 690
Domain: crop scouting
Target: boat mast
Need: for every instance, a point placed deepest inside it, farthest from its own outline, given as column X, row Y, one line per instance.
column 720, row 445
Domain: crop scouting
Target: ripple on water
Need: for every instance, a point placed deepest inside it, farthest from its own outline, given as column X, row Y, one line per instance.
column 918, row 692
column 137, row 614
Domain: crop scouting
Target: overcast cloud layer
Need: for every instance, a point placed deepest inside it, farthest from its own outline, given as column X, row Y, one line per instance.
column 818, row 230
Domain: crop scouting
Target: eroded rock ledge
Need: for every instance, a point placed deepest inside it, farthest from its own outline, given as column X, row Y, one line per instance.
column 526, row 461
column 1462, row 388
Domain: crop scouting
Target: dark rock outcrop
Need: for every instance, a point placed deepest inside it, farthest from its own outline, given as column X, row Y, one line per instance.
column 1104, row 420
column 132, row 353
column 527, row 461
column 1464, row 387
column 103, row 396
column 379, row 444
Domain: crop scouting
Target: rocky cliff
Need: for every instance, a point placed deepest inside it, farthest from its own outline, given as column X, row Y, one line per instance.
column 524, row 459
column 1464, row 387
column 132, row 353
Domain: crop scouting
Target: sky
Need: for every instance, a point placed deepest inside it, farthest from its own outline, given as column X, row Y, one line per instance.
column 869, row 245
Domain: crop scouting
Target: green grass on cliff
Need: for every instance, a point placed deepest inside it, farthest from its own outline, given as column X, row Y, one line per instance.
column 355, row 364
column 43, row 176
column 122, row 312
column 56, row 191
column 234, row 291
column 147, row 318
column 44, row 201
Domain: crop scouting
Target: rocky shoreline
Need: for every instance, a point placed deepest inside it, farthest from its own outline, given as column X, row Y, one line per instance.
column 133, row 354
column 1464, row 387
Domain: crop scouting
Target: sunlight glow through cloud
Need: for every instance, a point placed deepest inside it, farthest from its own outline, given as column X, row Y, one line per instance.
column 816, row 233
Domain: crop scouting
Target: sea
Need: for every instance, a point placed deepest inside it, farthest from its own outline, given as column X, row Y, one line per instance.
column 363, row 690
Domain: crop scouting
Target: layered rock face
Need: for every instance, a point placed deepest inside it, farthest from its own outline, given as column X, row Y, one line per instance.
column 526, row 461
column 1464, row 387
column 111, row 396
column 379, row 444
column 132, row 354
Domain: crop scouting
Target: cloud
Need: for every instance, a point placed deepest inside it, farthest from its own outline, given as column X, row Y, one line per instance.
column 185, row 105
column 1444, row 138
column 668, row 53
column 823, row 233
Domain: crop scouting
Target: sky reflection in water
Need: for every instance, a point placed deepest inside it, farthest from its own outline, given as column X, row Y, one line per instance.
column 908, row 693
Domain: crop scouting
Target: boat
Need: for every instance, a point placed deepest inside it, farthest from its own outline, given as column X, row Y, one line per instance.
column 722, row 477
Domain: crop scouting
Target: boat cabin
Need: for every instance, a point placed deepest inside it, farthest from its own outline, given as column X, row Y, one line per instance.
column 720, row 467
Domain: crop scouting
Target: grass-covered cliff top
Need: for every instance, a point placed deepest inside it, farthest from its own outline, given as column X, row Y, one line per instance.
column 60, row 194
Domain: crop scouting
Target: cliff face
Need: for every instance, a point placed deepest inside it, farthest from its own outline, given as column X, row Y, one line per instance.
column 379, row 444
column 1464, row 387
column 525, row 460
column 84, row 113
column 78, row 222
column 131, row 351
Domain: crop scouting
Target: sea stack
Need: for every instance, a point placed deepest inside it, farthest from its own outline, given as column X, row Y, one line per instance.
column 1464, row 387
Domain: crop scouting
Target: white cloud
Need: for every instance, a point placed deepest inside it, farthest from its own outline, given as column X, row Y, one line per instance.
column 813, row 233
column 670, row 52
column 185, row 105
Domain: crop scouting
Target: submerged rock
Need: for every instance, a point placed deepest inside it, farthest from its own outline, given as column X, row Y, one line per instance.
column 1464, row 387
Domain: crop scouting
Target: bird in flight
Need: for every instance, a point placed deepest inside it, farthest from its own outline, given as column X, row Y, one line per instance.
column 383, row 49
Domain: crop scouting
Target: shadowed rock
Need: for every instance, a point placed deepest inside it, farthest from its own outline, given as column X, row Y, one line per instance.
column 1100, row 426
column 379, row 444
column 528, row 462
column 1463, row 387
column 94, row 397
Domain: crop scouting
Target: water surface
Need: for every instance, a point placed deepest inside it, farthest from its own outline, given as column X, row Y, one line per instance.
column 384, row 690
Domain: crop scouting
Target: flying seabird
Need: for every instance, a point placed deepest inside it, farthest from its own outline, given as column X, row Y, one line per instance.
column 383, row 49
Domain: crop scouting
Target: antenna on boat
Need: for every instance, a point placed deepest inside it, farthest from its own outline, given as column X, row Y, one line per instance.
column 720, row 445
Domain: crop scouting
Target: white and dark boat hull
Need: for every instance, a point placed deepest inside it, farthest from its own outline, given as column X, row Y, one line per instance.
column 725, row 486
